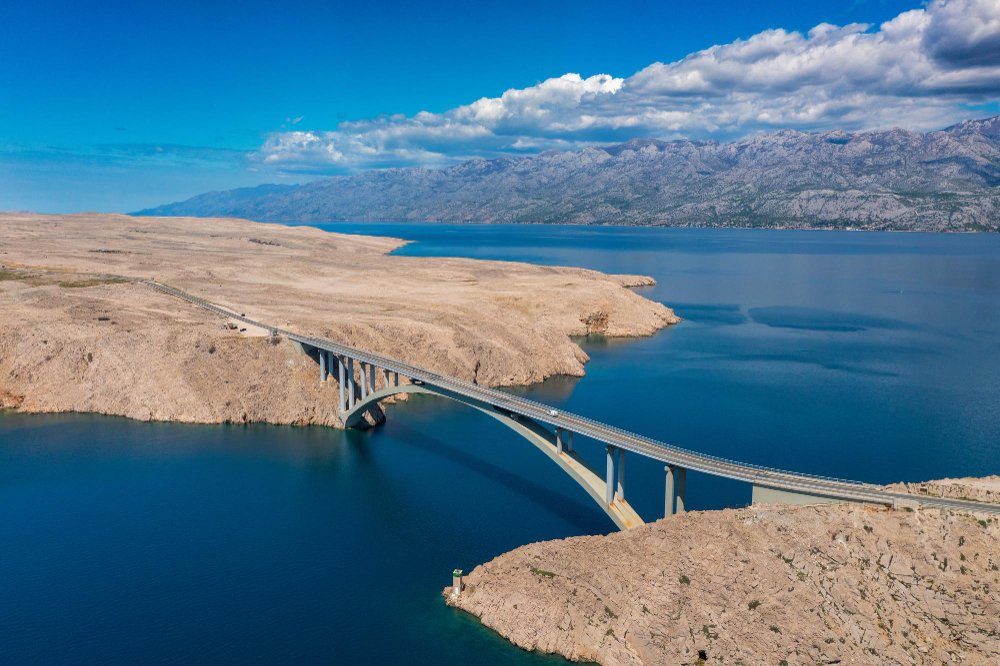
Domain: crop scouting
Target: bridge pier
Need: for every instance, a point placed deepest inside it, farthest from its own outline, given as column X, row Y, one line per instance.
column 559, row 440
column 766, row 495
column 340, row 376
column 621, row 475
column 569, row 440
column 675, row 490
column 395, row 379
column 322, row 364
column 364, row 379
column 330, row 359
column 668, row 497
column 609, row 490
column 681, row 488
column 350, row 381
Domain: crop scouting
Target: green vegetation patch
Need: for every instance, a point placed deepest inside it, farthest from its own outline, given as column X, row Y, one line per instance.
column 82, row 284
column 543, row 572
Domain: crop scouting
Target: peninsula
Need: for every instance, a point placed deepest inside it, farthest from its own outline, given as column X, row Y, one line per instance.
column 765, row 584
column 70, row 341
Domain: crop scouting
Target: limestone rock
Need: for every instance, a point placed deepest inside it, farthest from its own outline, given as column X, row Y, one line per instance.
column 760, row 585
column 72, row 342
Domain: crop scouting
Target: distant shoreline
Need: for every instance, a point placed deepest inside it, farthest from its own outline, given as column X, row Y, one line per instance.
column 307, row 222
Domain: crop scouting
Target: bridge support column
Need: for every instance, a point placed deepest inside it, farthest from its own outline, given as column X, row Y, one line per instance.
column 350, row 382
column 681, row 488
column 395, row 379
column 322, row 364
column 609, row 491
column 621, row 475
column 387, row 384
column 330, row 360
column 340, row 376
column 569, row 440
column 364, row 380
column 559, row 440
column 668, row 497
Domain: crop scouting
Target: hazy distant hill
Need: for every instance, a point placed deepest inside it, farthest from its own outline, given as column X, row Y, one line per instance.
column 944, row 180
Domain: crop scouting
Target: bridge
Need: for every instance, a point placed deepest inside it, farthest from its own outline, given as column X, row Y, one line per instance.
column 365, row 379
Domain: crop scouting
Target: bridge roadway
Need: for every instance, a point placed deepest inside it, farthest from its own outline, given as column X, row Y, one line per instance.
column 793, row 482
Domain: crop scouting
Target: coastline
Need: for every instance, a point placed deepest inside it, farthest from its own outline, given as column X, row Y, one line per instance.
column 803, row 585
column 78, row 344
column 750, row 227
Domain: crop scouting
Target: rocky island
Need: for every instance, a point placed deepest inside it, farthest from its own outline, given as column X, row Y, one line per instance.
column 766, row 584
column 71, row 340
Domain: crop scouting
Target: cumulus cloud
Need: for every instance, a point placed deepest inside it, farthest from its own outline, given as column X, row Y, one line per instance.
column 964, row 34
column 921, row 70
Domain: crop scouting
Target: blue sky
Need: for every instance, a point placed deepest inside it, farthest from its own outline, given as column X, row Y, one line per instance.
column 118, row 106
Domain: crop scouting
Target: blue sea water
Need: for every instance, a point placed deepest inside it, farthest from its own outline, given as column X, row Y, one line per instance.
column 871, row 356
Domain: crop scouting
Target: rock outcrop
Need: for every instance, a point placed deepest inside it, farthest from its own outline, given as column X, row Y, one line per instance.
column 986, row 489
column 760, row 585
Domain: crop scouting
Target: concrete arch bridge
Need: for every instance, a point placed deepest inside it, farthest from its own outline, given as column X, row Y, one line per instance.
column 366, row 379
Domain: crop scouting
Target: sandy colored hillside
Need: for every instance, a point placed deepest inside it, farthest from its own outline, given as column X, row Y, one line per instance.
column 829, row 584
column 985, row 489
column 73, row 343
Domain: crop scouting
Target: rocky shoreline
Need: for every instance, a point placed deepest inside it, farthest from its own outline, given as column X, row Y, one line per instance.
column 72, row 342
column 767, row 584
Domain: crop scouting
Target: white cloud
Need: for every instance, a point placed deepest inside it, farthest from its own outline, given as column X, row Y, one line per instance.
column 921, row 70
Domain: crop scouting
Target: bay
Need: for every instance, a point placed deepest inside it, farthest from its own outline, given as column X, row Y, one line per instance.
column 870, row 356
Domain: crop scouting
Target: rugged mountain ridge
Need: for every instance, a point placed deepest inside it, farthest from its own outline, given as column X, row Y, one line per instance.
column 946, row 180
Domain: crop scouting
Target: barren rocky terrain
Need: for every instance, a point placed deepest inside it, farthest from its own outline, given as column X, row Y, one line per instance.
column 767, row 584
column 70, row 342
column 947, row 180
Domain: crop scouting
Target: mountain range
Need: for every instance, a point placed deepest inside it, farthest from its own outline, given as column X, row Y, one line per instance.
column 946, row 180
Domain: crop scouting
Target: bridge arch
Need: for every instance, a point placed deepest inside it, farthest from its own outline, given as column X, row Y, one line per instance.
column 623, row 515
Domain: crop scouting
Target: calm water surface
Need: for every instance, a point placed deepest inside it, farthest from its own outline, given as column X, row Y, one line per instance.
column 861, row 355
